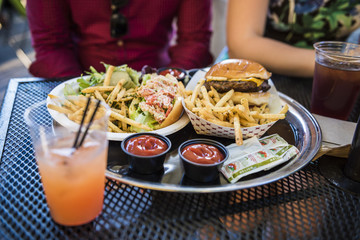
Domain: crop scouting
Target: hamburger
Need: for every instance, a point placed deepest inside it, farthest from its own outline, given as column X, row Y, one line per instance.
column 247, row 78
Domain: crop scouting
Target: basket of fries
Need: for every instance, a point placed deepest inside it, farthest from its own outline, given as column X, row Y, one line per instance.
column 215, row 114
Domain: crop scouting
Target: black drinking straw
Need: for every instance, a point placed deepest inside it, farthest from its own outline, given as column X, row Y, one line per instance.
column 81, row 124
column 90, row 122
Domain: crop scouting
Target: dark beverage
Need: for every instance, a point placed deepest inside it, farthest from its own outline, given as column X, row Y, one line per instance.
column 335, row 89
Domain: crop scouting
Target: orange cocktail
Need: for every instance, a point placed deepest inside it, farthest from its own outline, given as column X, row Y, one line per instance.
column 72, row 162
column 74, row 180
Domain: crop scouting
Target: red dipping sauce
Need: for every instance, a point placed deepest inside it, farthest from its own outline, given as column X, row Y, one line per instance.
column 145, row 145
column 202, row 153
column 176, row 73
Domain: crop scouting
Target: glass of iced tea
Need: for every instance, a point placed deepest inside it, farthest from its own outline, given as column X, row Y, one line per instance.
column 73, row 178
column 336, row 82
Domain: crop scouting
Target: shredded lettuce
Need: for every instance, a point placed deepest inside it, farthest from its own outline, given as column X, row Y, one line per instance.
column 71, row 89
column 145, row 78
column 136, row 114
column 144, row 118
column 95, row 78
column 130, row 75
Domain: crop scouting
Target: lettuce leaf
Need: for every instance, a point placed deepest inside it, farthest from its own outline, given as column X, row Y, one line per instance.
column 94, row 78
column 145, row 78
column 124, row 72
column 71, row 89
column 144, row 118
column 136, row 114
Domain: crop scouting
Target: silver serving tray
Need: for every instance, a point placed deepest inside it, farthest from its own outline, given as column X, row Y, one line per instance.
column 298, row 128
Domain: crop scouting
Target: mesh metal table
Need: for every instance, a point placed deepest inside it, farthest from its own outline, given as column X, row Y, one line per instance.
column 303, row 205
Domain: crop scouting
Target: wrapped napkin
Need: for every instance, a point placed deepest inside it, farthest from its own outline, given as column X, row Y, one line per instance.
column 337, row 136
column 256, row 155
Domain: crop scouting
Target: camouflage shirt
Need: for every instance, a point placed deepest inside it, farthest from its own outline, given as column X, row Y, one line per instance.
column 304, row 22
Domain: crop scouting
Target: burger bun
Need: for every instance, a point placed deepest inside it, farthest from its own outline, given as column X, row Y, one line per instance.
column 238, row 69
column 254, row 98
column 174, row 115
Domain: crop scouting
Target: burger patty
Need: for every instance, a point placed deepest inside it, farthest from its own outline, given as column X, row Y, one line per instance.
column 238, row 86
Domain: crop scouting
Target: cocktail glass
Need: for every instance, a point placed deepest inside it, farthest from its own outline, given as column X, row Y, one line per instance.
column 73, row 178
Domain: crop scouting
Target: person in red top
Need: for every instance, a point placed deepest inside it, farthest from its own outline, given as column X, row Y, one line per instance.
column 70, row 36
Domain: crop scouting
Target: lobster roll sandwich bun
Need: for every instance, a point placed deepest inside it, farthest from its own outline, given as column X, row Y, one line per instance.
column 158, row 103
column 248, row 79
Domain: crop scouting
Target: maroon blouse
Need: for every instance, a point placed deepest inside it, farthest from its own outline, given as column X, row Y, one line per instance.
column 70, row 36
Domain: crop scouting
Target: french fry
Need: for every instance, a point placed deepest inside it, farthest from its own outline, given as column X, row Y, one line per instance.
column 272, row 116
column 189, row 104
column 53, row 96
column 215, row 109
column 206, row 97
column 216, row 94
column 99, row 88
column 114, row 92
column 225, row 98
column 219, row 122
column 237, row 129
column 114, row 128
column 246, row 123
column 242, row 113
column 198, row 103
column 182, row 90
column 130, row 90
column 211, row 94
column 99, row 96
column 211, row 118
column 129, row 121
column 284, row 109
column 121, row 94
column 109, row 73
column 125, row 99
column 70, row 105
column 262, row 121
column 263, row 107
column 196, row 91
column 212, row 101
column 188, row 92
column 59, row 109
column 245, row 104
column 123, row 112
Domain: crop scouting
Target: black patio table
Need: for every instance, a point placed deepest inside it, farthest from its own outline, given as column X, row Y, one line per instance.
column 303, row 205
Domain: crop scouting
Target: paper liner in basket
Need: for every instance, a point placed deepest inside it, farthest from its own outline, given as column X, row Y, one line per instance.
column 205, row 127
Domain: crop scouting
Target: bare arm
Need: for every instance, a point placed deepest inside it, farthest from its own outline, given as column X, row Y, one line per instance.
column 246, row 21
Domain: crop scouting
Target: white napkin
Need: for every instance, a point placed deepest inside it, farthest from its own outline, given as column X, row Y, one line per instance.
column 337, row 136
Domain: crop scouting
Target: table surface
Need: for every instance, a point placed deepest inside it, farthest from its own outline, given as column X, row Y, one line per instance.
column 303, row 205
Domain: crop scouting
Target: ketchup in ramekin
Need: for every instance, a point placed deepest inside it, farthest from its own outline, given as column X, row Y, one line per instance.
column 202, row 153
column 201, row 159
column 145, row 145
column 173, row 71
column 146, row 152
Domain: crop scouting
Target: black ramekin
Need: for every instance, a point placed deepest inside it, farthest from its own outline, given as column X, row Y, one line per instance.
column 179, row 69
column 146, row 164
column 202, row 172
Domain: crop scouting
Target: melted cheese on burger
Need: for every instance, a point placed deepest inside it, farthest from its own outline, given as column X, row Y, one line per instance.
column 255, row 80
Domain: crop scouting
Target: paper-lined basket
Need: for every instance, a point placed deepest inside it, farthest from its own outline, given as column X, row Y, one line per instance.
column 205, row 127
